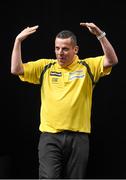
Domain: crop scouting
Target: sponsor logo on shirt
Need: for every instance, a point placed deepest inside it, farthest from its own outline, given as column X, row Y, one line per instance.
column 76, row 75
column 54, row 73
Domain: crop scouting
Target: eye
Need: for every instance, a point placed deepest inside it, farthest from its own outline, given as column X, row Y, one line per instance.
column 56, row 48
column 65, row 49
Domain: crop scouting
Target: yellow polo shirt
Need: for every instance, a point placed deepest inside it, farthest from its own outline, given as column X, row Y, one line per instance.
column 66, row 93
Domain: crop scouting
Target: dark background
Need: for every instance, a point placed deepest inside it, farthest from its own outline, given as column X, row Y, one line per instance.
column 20, row 102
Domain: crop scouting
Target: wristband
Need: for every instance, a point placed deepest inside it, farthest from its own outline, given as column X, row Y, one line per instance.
column 101, row 35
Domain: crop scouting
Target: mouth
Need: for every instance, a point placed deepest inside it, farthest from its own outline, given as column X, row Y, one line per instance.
column 62, row 59
column 62, row 62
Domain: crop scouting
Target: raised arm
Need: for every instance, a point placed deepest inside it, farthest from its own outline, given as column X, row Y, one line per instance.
column 16, row 58
column 109, row 52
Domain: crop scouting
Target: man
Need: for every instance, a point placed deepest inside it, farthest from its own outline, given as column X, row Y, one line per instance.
column 67, row 85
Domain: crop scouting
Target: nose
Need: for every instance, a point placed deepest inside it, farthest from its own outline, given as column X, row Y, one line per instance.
column 60, row 51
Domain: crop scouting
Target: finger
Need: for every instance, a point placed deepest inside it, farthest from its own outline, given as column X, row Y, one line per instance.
column 83, row 24
column 31, row 28
column 35, row 27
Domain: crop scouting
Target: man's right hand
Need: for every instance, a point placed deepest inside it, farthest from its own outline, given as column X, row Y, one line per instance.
column 26, row 32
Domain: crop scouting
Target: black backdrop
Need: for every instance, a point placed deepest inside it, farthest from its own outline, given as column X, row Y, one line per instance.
column 20, row 101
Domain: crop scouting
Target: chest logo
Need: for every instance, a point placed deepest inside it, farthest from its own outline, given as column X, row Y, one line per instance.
column 76, row 75
column 54, row 73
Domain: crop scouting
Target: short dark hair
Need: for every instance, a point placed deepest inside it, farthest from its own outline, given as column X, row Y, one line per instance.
column 64, row 34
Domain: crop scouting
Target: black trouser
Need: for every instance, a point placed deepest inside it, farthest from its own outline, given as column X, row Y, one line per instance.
column 63, row 155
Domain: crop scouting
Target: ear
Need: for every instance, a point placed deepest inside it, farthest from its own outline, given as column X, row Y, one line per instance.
column 76, row 49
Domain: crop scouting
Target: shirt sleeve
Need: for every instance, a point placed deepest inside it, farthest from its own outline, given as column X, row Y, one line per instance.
column 32, row 71
column 97, row 67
